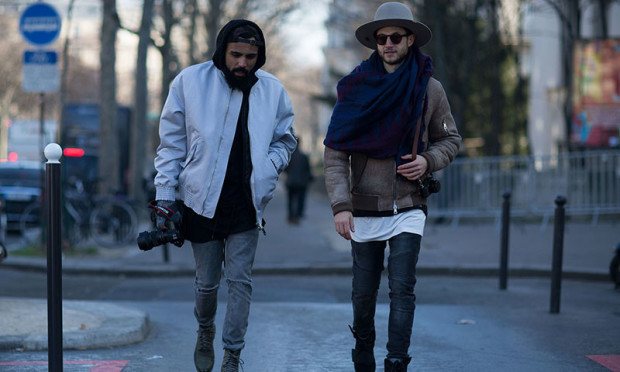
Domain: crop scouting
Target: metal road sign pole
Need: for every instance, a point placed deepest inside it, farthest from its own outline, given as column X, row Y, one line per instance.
column 44, row 224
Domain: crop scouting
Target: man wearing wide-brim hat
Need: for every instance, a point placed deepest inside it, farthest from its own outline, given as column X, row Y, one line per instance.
column 391, row 129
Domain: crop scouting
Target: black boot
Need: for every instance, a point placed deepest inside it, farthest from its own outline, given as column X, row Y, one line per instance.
column 397, row 364
column 204, row 354
column 363, row 356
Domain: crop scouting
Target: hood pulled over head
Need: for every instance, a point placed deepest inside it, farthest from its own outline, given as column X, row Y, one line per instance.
column 239, row 30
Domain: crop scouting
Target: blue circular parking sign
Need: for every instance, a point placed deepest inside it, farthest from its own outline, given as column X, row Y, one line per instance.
column 40, row 24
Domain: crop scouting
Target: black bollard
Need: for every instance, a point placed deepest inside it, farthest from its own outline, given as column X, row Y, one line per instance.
column 165, row 253
column 558, row 247
column 53, row 152
column 503, row 260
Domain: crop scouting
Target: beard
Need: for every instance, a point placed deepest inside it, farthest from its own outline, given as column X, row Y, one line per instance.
column 243, row 83
column 396, row 62
column 399, row 58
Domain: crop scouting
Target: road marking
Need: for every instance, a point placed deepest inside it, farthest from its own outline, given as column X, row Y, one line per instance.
column 97, row 365
column 612, row 362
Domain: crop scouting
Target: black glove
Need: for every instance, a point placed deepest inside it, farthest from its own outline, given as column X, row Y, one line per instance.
column 164, row 212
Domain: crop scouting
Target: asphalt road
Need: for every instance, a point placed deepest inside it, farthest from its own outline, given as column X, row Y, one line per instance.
column 462, row 323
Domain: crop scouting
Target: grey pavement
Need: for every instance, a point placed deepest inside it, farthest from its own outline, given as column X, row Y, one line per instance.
column 470, row 249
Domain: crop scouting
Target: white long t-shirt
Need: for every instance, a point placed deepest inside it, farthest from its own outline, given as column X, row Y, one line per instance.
column 369, row 229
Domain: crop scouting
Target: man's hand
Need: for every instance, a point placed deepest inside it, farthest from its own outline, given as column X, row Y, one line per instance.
column 412, row 170
column 168, row 207
column 343, row 222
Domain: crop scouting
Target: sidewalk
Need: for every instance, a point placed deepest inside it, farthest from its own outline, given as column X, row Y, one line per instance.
column 471, row 248
column 312, row 247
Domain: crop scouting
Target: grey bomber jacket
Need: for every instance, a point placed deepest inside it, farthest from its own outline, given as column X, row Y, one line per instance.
column 356, row 182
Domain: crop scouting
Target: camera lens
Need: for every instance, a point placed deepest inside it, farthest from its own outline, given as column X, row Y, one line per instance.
column 144, row 241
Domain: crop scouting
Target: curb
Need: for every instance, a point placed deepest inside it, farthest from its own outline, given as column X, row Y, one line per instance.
column 108, row 325
column 176, row 270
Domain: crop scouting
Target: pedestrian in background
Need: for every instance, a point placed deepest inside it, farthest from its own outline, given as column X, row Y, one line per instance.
column 391, row 128
column 298, row 178
column 226, row 133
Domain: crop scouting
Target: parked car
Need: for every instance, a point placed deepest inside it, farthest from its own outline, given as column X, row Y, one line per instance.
column 20, row 185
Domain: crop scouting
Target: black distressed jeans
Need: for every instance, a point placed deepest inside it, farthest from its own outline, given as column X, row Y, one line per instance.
column 367, row 267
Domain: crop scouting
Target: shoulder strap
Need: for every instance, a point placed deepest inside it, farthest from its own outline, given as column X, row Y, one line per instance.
column 416, row 137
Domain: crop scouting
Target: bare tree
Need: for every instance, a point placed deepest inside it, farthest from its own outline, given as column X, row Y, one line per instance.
column 497, row 96
column 212, row 19
column 165, row 25
column 170, row 14
column 109, row 160
column 192, row 11
column 138, row 143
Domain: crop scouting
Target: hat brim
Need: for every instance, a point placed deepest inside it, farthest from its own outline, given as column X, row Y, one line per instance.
column 365, row 34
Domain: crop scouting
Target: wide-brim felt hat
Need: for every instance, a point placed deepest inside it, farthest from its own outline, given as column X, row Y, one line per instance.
column 396, row 15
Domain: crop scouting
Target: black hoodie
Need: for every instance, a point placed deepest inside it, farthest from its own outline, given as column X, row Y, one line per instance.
column 219, row 57
column 235, row 211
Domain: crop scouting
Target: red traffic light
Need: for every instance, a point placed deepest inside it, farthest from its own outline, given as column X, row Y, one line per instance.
column 73, row 152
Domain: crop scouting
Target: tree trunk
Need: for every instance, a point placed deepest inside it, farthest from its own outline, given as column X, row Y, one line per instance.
column 109, row 159
column 193, row 13
column 139, row 128
column 571, row 32
column 170, row 64
column 520, row 97
column 212, row 25
column 495, row 81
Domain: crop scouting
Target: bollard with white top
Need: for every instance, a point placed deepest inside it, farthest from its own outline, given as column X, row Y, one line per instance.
column 53, row 152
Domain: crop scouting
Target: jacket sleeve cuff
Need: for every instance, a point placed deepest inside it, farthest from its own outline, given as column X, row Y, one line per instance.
column 429, row 160
column 342, row 206
column 277, row 163
column 165, row 193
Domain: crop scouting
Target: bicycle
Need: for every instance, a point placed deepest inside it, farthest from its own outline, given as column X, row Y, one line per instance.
column 108, row 220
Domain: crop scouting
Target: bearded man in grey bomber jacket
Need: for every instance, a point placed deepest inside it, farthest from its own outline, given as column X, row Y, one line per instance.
column 226, row 134
column 377, row 184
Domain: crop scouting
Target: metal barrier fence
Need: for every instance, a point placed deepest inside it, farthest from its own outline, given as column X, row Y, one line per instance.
column 474, row 187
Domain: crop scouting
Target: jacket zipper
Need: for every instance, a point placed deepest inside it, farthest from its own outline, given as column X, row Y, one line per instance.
column 259, row 221
column 394, row 206
column 219, row 145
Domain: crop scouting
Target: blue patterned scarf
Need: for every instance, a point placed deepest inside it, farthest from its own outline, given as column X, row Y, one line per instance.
column 376, row 112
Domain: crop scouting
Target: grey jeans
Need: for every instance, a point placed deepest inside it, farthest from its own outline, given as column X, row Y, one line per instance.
column 237, row 252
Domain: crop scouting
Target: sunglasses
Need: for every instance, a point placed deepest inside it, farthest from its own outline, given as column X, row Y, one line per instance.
column 395, row 38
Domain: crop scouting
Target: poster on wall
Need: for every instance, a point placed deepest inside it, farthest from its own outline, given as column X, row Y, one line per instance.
column 596, row 98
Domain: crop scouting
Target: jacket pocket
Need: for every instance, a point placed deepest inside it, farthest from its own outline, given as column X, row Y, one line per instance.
column 190, row 155
column 365, row 202
column 265, row 181
column 358, row 166
column 186, row 169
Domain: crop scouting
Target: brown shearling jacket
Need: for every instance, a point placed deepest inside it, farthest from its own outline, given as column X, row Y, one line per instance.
column 356, row 182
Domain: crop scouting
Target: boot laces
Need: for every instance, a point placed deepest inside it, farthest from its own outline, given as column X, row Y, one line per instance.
column 205, row 338
column 232, row 361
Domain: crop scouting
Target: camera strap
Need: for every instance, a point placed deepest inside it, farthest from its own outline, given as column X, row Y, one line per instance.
column 416, row 136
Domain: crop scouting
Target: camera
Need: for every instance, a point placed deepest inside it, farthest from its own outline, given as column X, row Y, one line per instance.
column 149, row 239
column 429, row 186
